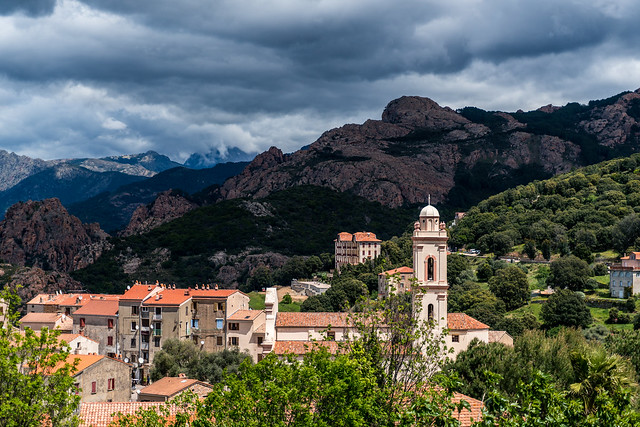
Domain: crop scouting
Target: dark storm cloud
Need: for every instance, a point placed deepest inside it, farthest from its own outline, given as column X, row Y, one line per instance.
column 105, row 77
column 28, row 7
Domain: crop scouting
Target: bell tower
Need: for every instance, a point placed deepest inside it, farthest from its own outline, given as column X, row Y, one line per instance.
column 430, row 267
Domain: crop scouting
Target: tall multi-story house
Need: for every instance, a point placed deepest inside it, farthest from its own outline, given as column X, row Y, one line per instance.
column 245, row 330
column 132, row 326
column 397, row 281
column 101, row 379
column 624, row 278
column 210, row 309
column 355, row 248
column 98, row 320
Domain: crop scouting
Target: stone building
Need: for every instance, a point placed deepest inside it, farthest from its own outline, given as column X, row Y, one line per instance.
column 101, row 379
column 98, row 320
column 355, row 248
column 398, row 279
column 624, row 278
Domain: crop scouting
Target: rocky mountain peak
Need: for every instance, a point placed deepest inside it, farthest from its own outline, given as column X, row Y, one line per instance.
column 167, row 206
column 43, row 234
column 418, row 112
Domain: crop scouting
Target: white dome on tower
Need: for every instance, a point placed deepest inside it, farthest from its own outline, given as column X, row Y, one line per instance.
column 430, row 211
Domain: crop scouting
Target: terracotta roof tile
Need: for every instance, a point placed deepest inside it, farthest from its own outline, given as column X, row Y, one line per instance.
column 303, row 347
column 344, row 237
column 169, row 297
column 70, row 337
column 41, row 318
column 170, row 386
column 365, row 236
column 322, row 320
column 461, row 321
column 399, row 270
column 245, row 315
column 214, row 293
column 138, row 292
column 467, row 417
column 101, row 414
column 98, row 307
column 68, row 299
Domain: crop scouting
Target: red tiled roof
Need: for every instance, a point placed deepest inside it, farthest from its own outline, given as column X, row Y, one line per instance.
column 98, row 307
column 461, row 321
column 467, row 417
column 400, row 270
column 69, row 299
column 101, row 414
column 365, row 236
column 344, row 237
column 169, row 297
column 41, row 318
column 316, row 320
column 138, row 292
column 213, row 293
column 169, row 386
column 303, row 347
column 245, row 315
column 70, row 337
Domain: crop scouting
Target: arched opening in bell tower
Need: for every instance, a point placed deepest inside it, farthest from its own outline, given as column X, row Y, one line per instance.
column 430, row 312
column 430, row 268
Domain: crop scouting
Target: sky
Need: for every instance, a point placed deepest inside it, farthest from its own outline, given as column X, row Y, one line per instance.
column 94, row 78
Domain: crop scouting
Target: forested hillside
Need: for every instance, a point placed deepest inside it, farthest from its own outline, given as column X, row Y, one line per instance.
column 588, row 210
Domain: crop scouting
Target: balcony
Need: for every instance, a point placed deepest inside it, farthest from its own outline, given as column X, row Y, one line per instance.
column 144, row 346
column 144, row 329
column 157, row 317
column 144, row 314
column 157, row 332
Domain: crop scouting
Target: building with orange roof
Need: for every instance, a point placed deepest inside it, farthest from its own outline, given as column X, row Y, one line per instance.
column 102, row 414
column 355, row 248
column 308, row 326
column 245, row 330
column 169, row 387
column 63, row 303
column 100, row 378
column 624, row 278
column 98, row 320
column 398, row 279
column 37, row 321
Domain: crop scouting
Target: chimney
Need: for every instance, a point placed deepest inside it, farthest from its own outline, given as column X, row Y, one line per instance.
column 157, row 297
column 149, row 288
column 216, row 288
column 208, row 286
column 160, row 296
column 196, row 286
column 182, row 375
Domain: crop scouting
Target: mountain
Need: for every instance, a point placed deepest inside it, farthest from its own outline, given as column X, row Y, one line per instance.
column 225, row 241
column 215, row 156
column 113, row 209
column 66, row 182
column 459, row 157
column 43, row 234
column 15, row 168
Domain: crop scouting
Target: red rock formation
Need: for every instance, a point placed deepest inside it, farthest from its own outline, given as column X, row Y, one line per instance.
column 166, row 207
column 43, row 234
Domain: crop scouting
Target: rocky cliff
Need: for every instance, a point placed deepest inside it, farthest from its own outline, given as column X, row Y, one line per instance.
column 167, row 206
column 421, row 148
column 43, row 234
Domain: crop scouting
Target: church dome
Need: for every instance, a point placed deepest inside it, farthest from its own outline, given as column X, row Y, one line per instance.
column 429, row 211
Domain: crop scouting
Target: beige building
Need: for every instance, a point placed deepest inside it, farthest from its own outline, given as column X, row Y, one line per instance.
column 245, row 330
column 63, row 303
column 398, row 279
column 312, row 326
column 624, row 278
column 98, row 320
column 355, row 248
column 169, row 387
column 101, row 378
column 37, row 321
column 79, row 344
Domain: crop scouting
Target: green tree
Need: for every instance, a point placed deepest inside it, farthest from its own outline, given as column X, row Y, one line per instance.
column 530, row 249
column 545, row 248
column 185, row 357
column 569, row 272
column 456, row 264
column 511, row 286
column 566, row 308
column 35, row 377
column 485, row 272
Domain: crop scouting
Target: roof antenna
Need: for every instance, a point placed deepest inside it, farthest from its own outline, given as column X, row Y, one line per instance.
column 429, row 199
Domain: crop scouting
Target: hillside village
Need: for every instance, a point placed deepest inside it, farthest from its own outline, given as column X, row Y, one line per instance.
column 115, row 337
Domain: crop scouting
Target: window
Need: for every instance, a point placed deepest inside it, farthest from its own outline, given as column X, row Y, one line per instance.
column 195, row 323
column 111, row 384
column 186, row 310
column 145, row 338
column 133, row 343
column 331, row 336
column 134, row 326
column 220, row 306
column 109, row 323
column 77, row 387
column 94, row 387
column 234, row 326
column 78, row 344
column 430, row 311
column 109, row 340
column 158, row 311
column 455, row 338
column 219, row 323
column 260, row 339
column 218, row 340
column 145, row 356
column 82, row 322
column 156, row 341
column 134, row 310
column 430, row 268
column 233, row 341
column 195, row 306
column 145, row 309
column 158, row 327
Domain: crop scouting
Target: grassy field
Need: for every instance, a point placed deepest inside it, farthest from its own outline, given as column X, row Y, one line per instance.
column 256, row 302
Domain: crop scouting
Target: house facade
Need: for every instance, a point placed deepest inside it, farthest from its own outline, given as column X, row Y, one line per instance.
column 245, row 331
column 101, row 379
column 98, row 320
column 355, row 248
column 397, row 280
column 624, row 278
